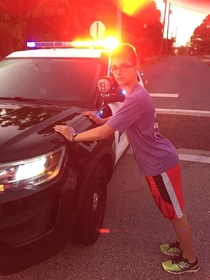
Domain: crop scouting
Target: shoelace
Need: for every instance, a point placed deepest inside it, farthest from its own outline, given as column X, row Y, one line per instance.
column 179, row 259
column 174, row 244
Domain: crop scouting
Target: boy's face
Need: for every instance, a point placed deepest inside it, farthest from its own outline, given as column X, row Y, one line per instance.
column 124, row 71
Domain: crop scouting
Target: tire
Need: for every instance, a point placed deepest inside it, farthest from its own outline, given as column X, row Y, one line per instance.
column 92, row 209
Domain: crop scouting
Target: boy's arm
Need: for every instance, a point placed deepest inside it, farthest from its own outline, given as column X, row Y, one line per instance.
column 95, row 117
column 98, row 133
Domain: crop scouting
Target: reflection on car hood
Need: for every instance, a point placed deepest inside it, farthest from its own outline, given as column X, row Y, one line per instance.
column 30, row 128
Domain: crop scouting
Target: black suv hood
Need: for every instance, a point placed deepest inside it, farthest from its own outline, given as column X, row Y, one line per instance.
column 27, row 130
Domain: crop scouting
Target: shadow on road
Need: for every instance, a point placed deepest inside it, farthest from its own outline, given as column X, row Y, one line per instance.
column 32, row 255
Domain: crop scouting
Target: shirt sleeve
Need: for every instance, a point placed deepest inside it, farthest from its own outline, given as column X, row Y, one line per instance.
column 127, row 115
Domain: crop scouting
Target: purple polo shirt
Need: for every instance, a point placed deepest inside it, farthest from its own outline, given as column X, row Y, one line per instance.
column 154, row 153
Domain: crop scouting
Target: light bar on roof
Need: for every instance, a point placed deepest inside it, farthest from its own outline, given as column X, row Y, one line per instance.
column 107, row 43
column 49, row 44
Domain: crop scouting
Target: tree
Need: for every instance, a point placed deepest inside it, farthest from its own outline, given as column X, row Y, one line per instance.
column 144, row 29
column 60, row 20
column 21, row 20
column 200, row 40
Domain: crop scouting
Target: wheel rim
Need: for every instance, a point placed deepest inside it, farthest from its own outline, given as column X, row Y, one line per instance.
column 95, row 202
column 97, row 205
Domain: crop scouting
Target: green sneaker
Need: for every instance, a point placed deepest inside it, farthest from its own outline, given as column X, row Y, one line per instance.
column 180, row 265
column 171, row 249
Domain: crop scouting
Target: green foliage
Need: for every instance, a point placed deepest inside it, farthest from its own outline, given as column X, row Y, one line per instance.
column 22, row 20
column 200, row 39
column 144, row 30
column 56, row 20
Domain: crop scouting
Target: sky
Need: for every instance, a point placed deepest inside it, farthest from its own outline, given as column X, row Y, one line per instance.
column 185, row 17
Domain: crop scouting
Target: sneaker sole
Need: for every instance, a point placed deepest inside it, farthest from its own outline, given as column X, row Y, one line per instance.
column 181, row 272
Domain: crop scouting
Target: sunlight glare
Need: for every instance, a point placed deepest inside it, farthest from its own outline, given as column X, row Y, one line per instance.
column 131, row 7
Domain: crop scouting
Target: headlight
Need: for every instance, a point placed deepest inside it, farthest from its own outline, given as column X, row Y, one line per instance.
column 30, row 173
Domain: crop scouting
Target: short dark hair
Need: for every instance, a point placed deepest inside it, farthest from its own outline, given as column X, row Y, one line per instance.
column 125, row 50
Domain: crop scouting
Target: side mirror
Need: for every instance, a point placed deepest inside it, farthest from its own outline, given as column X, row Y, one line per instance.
column 110, row 91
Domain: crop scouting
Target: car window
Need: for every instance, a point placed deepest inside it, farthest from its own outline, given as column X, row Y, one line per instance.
column 50, row 79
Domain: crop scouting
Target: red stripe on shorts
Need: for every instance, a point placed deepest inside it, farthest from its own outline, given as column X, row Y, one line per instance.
column 166, row 189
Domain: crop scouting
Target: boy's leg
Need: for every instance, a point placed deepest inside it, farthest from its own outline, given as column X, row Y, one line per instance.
column 184, row 235
column 166, row 189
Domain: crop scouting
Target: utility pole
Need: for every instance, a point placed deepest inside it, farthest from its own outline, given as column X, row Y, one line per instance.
column 176, row 35
column 164, row 20
column 169, row 12
column 119, row 21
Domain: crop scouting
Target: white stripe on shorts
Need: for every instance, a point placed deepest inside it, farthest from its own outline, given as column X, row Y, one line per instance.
column 172, row 195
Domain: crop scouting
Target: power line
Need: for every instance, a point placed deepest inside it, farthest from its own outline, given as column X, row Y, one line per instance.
column 175, row 4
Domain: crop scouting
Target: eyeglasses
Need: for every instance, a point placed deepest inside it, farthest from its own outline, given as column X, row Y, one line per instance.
column 121, row 68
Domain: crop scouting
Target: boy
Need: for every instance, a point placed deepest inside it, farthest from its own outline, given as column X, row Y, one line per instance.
column 155, row 155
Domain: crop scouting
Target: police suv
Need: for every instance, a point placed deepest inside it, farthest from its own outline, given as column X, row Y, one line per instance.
column 47, row 184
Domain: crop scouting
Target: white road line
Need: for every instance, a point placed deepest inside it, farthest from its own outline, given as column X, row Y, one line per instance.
column 194, row 155
column 194, row 158
column 190, row 155
column 173, row 95
column 183, row 112
column 178, row 111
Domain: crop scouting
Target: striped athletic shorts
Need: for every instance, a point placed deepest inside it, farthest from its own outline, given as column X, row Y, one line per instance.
column 166, row 189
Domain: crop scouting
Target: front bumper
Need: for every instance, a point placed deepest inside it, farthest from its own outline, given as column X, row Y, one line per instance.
column 38, row 214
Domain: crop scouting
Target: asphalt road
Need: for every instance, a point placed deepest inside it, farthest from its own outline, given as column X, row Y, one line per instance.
column 133, row 227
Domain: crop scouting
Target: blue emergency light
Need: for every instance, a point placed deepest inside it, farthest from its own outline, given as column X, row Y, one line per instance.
column 50, row 44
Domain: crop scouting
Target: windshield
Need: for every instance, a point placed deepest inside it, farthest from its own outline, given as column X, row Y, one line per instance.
column 67, row 79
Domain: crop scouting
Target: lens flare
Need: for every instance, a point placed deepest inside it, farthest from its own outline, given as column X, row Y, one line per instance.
column 104, row 230
column 131, row 7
